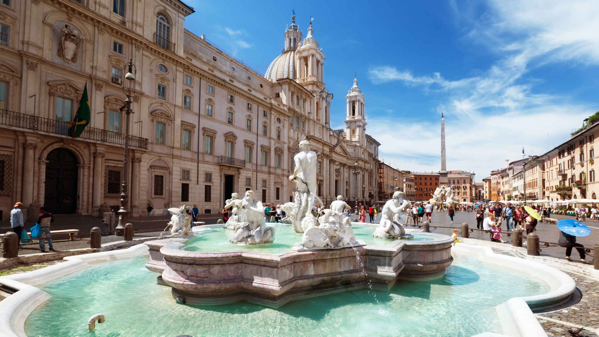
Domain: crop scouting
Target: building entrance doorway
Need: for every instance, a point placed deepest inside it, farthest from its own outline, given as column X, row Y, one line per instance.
column 228, row 188
column 61, row 182
column 336, row 190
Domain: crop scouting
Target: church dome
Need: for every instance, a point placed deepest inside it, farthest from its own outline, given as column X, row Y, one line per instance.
column 282, row 67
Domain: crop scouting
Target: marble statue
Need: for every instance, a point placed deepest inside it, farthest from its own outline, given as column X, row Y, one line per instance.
column 339, row 205
column 391, row 226
column 180, row 220
column 444, row 195
column 333, row 232
column 251, row 227
column 236, row 215
column 304, row 177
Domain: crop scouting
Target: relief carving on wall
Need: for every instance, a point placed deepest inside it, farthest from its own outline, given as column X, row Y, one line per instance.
column 69, row 44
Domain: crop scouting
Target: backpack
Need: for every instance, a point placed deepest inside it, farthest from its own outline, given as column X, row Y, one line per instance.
column 370, row 210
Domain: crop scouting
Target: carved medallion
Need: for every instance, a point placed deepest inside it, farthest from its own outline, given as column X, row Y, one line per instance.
column 69, row 44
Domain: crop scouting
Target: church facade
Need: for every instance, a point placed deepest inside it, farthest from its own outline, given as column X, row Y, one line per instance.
column 204, row 124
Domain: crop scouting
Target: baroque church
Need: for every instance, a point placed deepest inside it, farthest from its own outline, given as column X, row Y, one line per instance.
column 204, row 125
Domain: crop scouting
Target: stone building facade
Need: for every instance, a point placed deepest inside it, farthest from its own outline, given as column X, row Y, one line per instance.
column 390, row 180
column 425, row 184
column 204, row 124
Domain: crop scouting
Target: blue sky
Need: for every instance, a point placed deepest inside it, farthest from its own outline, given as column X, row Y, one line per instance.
column 506, row 74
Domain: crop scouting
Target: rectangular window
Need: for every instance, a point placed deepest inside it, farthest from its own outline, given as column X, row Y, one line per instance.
column 185, row 175
column 118, row 6
column 278, row 134
column 208, row 177
column 297, row 124
column 230, row 98
column 229, row 149
column 208, row 144
column 303, row 125
column 248, row 181
column 184, row 192
column 209, row 108
column 278, row 193
column 4, row 31
column 248, row 154
column 296, row 100
column 264, row 158
column 207, row 193
column 161, row 91
column 210, row 90
column 264, row 183
column 114, row 121
column 250, row 106
column 277, row 95
column 186, row 141
column 64, row 109
column 114, row 182
column 319, row 168
column 248, row 125
column 117, row 47
column 263, row 196
column 158, row 185
column 264, row 130
column 3, row 95
column 187, row 79
column 278, row 161
column 291, row 121
column 187, row 102
column 230, row 118
column 265, row 113
column 5, row 2
column 160, row 133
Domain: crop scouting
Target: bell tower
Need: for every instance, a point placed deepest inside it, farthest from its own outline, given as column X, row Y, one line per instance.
column 293, row 36
column 355, row 120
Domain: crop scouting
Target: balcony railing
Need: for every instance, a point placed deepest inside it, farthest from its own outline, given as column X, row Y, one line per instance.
column 20, row 120
column 164, row 42
column 224, row 160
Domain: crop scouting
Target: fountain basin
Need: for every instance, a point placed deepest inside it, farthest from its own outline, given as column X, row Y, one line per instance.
column 275, row 279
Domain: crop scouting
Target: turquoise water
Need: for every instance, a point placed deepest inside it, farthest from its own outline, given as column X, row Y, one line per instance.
column 216, row 239
column 459, row 304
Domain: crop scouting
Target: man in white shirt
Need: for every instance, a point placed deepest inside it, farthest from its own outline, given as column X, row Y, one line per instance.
column 428, row 209
column 16, row 220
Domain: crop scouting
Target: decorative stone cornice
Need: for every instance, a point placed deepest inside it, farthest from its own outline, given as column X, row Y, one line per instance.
column 188, row 126
column 230, row 136
column 209, row 132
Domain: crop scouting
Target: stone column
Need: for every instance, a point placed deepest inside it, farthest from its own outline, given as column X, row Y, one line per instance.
column 98, row 186
column 311, row 65
column 135, row 185
column 28, row 166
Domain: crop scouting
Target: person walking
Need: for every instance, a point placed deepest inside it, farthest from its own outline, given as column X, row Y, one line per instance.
column 530, row 224
column 16, row 220
column 498, row 212
column 195, row 212
column 428, row 211
column 149, row 210
column 569, row 241
column 371, row 214
column 451, row 213
column 279, row 214
column 362, row 214
column 415, row 215
column 479, row 216
column 44, row 220
column 517, row 217
column 420, row 213
column 508, row 213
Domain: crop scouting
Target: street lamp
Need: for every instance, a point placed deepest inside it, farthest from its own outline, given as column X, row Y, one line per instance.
column 356, row 172
column 129, row 91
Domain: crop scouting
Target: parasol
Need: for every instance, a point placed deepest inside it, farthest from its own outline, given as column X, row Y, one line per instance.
column 532, row 212
column 573, row 227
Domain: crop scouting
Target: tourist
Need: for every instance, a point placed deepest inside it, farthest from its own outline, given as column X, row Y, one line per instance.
column 569, row 241
column 371, row 214
column 415, row 215
column 428, row 211
column 225, row 213
column 16, row 220
column 195, row 212
column 44, row 221
column 489, row 223
column 279, row 214
column 149, row 210
column 531, row 224
column 508, row 213
column 594, row 213
column 479, row 216
column 375, row 213
column 267, row 212
column 496, row 234
column 498, row 212
column 362, row 214
column 454, row 236
column 451, row 213
column 420, row 213
column 517, row 217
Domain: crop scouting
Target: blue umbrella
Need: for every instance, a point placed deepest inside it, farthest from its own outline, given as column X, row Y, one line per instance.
column 573, row 227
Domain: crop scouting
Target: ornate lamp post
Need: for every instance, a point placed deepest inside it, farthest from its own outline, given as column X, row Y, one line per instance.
column 356, row 172
column 129, row 91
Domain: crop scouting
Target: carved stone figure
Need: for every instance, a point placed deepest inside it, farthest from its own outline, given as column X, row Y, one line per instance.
column 69, row 44
column 251, row 228
column 333, row 232
column 391, row 226
column 180, row 220
column 236, row 218
column 339, row 206
column 444, row 195
column 304, row 176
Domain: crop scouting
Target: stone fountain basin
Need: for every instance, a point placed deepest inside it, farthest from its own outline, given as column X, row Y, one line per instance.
column 275, row 279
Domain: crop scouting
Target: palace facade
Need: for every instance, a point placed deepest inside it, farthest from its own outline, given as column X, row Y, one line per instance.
column 204, row 124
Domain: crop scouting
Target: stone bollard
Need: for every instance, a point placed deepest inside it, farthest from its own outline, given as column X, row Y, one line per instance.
column 596, row 256
column 10, row 241
column 128, row 236
column 465, row 233
column 517, row 239
column 425, row 227
column 95, row 238
column 532, row 244
column 220, row 221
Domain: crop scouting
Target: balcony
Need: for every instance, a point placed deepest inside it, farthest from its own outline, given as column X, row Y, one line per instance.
column 164, row 42
column 580, row 184
column 227, row 161
column 14, row 119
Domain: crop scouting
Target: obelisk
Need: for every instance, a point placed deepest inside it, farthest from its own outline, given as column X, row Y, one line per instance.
column 443, row 173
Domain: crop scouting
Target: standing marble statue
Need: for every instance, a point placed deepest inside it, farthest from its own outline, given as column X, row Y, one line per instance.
column 251, row 230
column 304, row 176
column 339, row 205
column 390, row 226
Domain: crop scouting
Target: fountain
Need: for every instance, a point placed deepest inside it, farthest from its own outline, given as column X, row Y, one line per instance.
column 444, row 195
column 391, row 226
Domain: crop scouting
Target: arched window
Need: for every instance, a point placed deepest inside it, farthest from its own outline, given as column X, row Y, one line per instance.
column 594, row 196
column 162, row 31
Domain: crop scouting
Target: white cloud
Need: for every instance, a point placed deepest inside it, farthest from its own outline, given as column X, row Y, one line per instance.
column 233, row 40
column 490, row 117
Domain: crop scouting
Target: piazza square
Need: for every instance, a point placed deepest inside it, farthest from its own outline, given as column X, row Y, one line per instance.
column 189, row 168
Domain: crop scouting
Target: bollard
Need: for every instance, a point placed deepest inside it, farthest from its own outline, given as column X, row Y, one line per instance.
column 10, row 241
column 532, row 244
column 95, row 238
column 596, row 256
column 425, row 227
column 128, row 236
column 465, row 233
column 517, row 239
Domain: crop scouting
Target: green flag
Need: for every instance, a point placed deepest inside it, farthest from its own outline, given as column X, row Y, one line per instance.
column 82, row 116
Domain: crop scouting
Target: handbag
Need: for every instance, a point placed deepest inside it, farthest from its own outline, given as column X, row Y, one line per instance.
column 562, row 241
column 36, row 231
column 24, row 236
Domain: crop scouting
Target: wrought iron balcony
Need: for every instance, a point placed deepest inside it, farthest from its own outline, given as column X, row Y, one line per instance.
column 164, row 42
column 15, row 119
column 227, row 161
